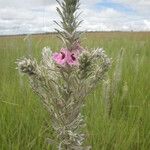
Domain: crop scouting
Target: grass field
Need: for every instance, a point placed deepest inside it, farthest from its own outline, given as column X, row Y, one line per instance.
column 23, row 120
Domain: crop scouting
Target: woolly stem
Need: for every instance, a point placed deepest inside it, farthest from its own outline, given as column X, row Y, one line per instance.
column 69, row 23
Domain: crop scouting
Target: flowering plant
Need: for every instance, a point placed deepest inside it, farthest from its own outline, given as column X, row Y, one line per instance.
column 64, row 79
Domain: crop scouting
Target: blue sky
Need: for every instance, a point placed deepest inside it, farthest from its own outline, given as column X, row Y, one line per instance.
column 114, row 5
column 34, row 16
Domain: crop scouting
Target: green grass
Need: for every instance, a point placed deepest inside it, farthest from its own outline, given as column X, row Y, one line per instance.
column 23, row 120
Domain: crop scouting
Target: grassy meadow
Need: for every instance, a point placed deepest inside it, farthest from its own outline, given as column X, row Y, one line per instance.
column 24, row 121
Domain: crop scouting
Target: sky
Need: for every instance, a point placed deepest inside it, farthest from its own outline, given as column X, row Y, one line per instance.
column 37, row 16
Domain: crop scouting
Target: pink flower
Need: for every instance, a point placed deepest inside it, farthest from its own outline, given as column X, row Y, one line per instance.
column 68, row 57
column 65, row 57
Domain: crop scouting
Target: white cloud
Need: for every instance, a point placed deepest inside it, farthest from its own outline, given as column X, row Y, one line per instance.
column 27, row 20
column 25, row 3
column 147, row 24
column 32, row 16
column 89, row 2
column 111, row 19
